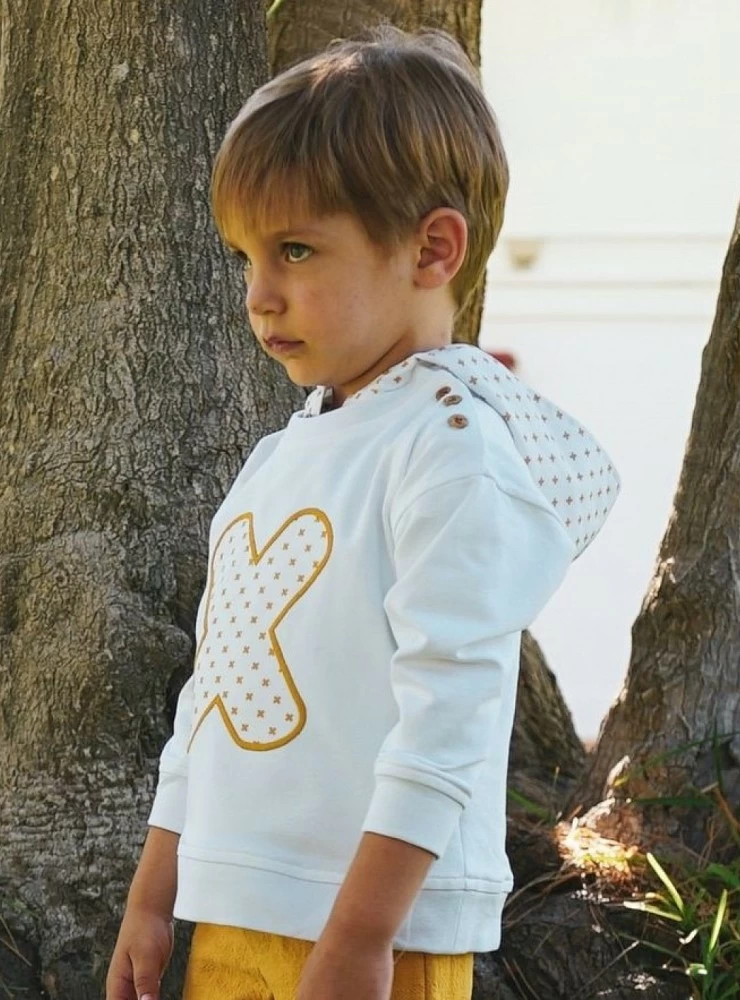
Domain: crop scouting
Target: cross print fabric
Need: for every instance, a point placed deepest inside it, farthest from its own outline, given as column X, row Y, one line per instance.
column 240, row 670
column 565, row 461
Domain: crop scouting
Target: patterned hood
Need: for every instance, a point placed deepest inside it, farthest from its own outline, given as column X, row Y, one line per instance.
column 565, row 461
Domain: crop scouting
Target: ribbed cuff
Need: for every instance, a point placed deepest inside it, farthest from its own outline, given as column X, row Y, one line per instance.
column 168, row 810
column 412, row 812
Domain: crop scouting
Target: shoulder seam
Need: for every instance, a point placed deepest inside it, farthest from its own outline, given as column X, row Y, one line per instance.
column 530, row 500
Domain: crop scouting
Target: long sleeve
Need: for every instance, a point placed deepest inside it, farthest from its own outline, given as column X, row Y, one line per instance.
column 474, row 565
column 168, row 809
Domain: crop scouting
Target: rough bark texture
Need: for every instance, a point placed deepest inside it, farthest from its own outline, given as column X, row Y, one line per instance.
column 294, row 36
column 682, row 684
column 544, row 743
column 130, row 392
column 563, row 945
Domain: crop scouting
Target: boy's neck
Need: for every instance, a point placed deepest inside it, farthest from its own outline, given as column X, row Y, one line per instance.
column 399, row 353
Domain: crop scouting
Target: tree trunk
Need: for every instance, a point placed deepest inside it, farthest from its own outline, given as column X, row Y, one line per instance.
column 546, row 755
column 130, row 393
column 293, row 36
column 681, row 698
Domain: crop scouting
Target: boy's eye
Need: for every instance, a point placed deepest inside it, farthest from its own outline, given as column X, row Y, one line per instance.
column 296, row 252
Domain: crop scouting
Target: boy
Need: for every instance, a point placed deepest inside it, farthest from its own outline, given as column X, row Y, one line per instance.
column 331, row 806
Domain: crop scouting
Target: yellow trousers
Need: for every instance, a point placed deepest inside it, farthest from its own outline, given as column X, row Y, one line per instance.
column 228, row 963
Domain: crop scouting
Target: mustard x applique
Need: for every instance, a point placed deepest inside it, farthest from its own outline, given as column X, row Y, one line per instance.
column 240, row 669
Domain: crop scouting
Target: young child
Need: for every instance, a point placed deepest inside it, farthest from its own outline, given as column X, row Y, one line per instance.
column 331, row 809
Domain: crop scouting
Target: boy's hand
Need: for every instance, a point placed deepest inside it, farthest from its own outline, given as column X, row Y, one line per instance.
column 143, row 949
column 340, row 969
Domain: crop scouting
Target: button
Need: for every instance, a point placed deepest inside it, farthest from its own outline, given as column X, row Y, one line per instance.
column 452, row 400
column 443, row 391
column 458, row 420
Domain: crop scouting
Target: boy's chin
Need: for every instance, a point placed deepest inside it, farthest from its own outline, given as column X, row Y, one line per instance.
column 302, row 379
column 306, row 375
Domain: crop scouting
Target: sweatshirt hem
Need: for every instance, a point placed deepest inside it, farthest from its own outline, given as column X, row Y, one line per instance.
column 464, row 916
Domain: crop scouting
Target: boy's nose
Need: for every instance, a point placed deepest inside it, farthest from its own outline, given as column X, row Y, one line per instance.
column 262, row 296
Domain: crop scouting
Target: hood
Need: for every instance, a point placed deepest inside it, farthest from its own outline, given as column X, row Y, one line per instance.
column 565, row 461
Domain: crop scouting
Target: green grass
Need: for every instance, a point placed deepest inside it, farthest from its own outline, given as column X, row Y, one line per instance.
column 694, row 907
column 699, row 904
column 703, row 909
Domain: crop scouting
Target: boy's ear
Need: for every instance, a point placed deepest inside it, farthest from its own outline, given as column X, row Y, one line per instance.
column 442, row 239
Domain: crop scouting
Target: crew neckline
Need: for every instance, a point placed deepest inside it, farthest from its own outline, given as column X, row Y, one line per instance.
column 371, row 408
column 394, row 378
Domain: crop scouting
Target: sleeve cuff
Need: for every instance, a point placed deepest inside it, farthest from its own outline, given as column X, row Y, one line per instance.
column 414, row 813
column 168, row 810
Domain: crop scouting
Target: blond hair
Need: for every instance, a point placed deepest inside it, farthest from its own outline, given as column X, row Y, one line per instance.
column 386, row 128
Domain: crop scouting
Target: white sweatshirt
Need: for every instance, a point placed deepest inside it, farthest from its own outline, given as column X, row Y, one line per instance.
column 370, row 573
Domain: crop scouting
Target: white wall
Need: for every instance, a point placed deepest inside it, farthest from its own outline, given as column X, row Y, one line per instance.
column 621, row 121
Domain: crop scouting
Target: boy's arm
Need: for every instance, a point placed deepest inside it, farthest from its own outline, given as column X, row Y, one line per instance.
column 378, row 890
column 146, row 936
column 474, row 565
column 354, row 954
column 168, row 808
column 154, row 885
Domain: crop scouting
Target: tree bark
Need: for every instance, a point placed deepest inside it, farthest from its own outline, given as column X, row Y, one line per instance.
column 546, row 755
column 130, row 393
column 294, row 36
column 681, row 698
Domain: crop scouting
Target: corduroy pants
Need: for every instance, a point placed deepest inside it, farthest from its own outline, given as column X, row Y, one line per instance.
column 228, row 963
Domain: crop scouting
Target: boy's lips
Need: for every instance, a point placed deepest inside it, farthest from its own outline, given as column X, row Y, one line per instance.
column 281, row 345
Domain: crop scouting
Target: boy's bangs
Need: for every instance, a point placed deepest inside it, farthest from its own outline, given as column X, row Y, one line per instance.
column 247, row 195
